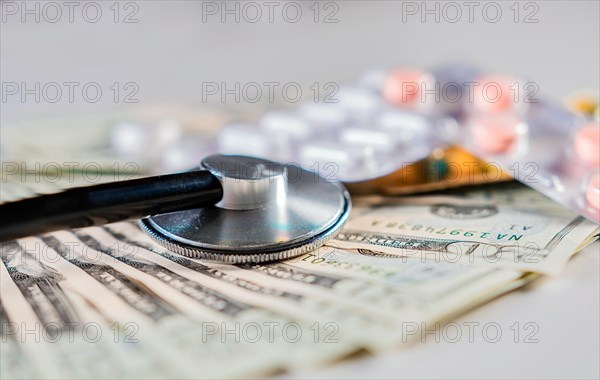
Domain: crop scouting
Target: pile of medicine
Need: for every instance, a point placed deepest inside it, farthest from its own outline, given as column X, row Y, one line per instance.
column 390, row 119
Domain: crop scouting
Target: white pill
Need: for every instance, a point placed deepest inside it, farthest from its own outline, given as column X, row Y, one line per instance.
column 285, row 123
column 185, row 154
column 243, row 138
column 373, row 79
column 325, row 115
column 129, row 139
column 326, row 153
column 404, row 126
column 362, row 137
column 142, row 141
column 358, row 99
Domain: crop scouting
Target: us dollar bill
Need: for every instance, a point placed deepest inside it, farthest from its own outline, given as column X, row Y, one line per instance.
column 264, row 304
column 165, row 315
column 340, row 301
column 513, row 227
column 186, row 307
column 370, row 295
column 86, row 336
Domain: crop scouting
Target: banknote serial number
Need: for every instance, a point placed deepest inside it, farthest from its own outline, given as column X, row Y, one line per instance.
column 508, row 236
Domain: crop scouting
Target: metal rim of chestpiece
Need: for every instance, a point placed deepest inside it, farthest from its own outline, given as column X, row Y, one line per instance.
column 269, row 211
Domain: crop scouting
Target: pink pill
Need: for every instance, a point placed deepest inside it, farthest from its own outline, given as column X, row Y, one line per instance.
column 403, row 87
column 593, row 191
column 587, row 143
column 494, row 133
column 494, row 93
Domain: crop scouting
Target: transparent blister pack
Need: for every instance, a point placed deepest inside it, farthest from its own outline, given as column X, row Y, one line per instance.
column 452, row 90
column 357, row 138
column 546, row 148
column 391, row 118
column 440, row 91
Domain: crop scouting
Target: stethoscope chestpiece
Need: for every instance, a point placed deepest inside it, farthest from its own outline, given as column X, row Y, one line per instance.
column 269, row 211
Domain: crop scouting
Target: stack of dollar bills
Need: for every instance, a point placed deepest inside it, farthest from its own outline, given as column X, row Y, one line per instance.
column 108, row 302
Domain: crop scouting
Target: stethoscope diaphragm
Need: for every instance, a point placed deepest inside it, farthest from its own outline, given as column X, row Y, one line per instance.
column 269, row 211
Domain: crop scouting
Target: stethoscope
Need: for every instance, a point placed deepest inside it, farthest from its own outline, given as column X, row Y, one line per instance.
column 234, row 209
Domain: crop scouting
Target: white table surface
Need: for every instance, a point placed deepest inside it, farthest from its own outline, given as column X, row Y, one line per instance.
column 170, row 52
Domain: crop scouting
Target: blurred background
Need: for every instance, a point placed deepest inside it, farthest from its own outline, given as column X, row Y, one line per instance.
column 167, row 49
column 154, row 54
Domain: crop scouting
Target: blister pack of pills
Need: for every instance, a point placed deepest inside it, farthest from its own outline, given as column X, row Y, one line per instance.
column 502, row 121
column 360, row 137
column 389, row 119
column 385, row 121
column 546, row 148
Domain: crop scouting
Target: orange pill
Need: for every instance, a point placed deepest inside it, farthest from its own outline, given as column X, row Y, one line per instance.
column 587, row 143
column 404, row 87
column 494, row 93
column 494, row 133
column 593, row 191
